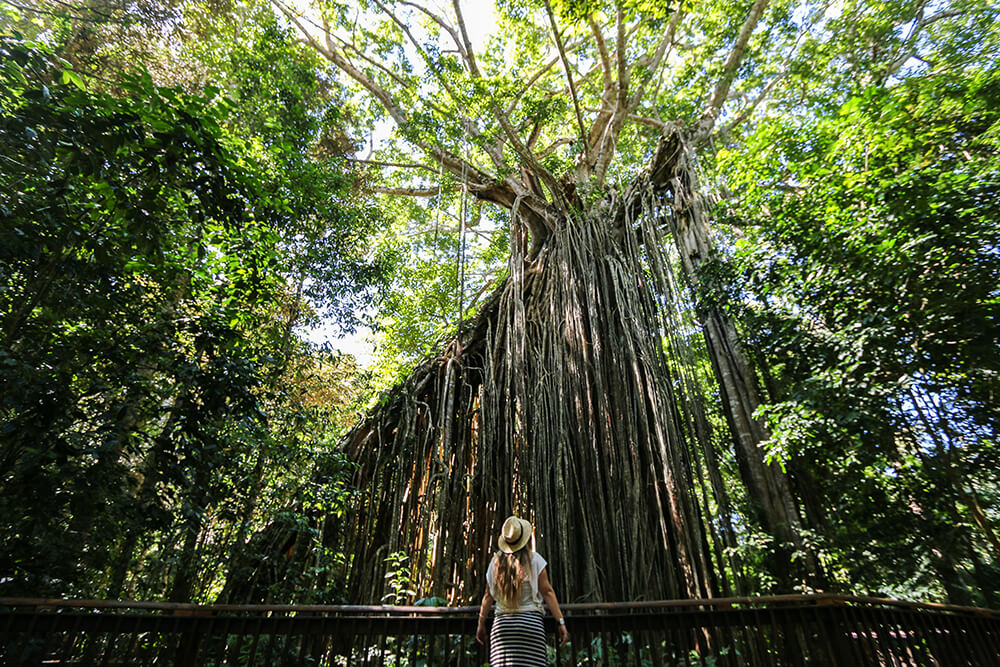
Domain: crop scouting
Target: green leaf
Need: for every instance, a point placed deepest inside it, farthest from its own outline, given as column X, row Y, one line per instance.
column 69, row 76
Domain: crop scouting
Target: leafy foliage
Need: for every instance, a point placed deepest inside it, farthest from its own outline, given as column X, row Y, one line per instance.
column 154, row 393
column 869, row 288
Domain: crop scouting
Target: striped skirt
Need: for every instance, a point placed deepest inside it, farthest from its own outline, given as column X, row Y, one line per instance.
column 517, row 640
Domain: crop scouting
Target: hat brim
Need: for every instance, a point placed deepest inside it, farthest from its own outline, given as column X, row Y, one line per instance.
column 511, row 547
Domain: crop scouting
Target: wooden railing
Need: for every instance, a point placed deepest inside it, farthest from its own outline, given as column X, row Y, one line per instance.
column 773, row 631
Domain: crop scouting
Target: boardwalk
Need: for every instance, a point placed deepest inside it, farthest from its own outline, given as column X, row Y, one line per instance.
column 773, row 631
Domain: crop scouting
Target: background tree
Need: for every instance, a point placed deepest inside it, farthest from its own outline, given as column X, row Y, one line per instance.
column 158, row 403
column 869, row 292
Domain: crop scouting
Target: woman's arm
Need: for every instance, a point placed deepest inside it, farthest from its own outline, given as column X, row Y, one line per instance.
column 549, row 595
column 484, row 610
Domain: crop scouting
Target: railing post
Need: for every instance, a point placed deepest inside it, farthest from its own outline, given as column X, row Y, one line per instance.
column 187, row 647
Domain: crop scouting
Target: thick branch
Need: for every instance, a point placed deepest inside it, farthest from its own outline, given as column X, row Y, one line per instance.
column 613, row 113
column 602, row 48
column 536, row 132
column 569, row 79
column 721, row 92
column 604, row 117
column 652, row 122
column 526, row 155
column 548, row 150
column 470, row 56
column 622, row 48
column 662, row 50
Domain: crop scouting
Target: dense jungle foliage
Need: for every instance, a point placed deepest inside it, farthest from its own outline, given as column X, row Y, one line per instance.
column 187, row 187
column 162, row 249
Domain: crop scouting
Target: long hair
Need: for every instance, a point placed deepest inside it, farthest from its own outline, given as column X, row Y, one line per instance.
column 511, row 573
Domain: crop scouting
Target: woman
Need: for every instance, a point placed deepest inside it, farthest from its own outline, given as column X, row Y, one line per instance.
column 517, row 580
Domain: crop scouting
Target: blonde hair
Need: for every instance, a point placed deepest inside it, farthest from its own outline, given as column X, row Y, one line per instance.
column 512, row 571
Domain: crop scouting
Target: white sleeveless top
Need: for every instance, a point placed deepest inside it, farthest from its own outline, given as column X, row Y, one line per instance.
column 531, row 599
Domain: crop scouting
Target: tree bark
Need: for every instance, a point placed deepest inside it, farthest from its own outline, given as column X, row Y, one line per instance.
column 555, row 403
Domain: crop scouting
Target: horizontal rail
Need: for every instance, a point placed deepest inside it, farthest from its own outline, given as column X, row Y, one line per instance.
column 778, row 630
column 714, row 603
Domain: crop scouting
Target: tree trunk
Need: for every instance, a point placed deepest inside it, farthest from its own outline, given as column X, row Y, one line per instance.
column 766, row 483
column 236, row 562
column 556, row 403
column 186, row 569
column 569, row 400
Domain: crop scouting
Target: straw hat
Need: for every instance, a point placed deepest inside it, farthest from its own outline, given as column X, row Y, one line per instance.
column 515, row 534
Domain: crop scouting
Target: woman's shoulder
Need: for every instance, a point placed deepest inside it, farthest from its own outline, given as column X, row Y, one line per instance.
column 538, row 561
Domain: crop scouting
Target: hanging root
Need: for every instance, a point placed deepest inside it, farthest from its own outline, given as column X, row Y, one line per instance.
column 574, row 399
